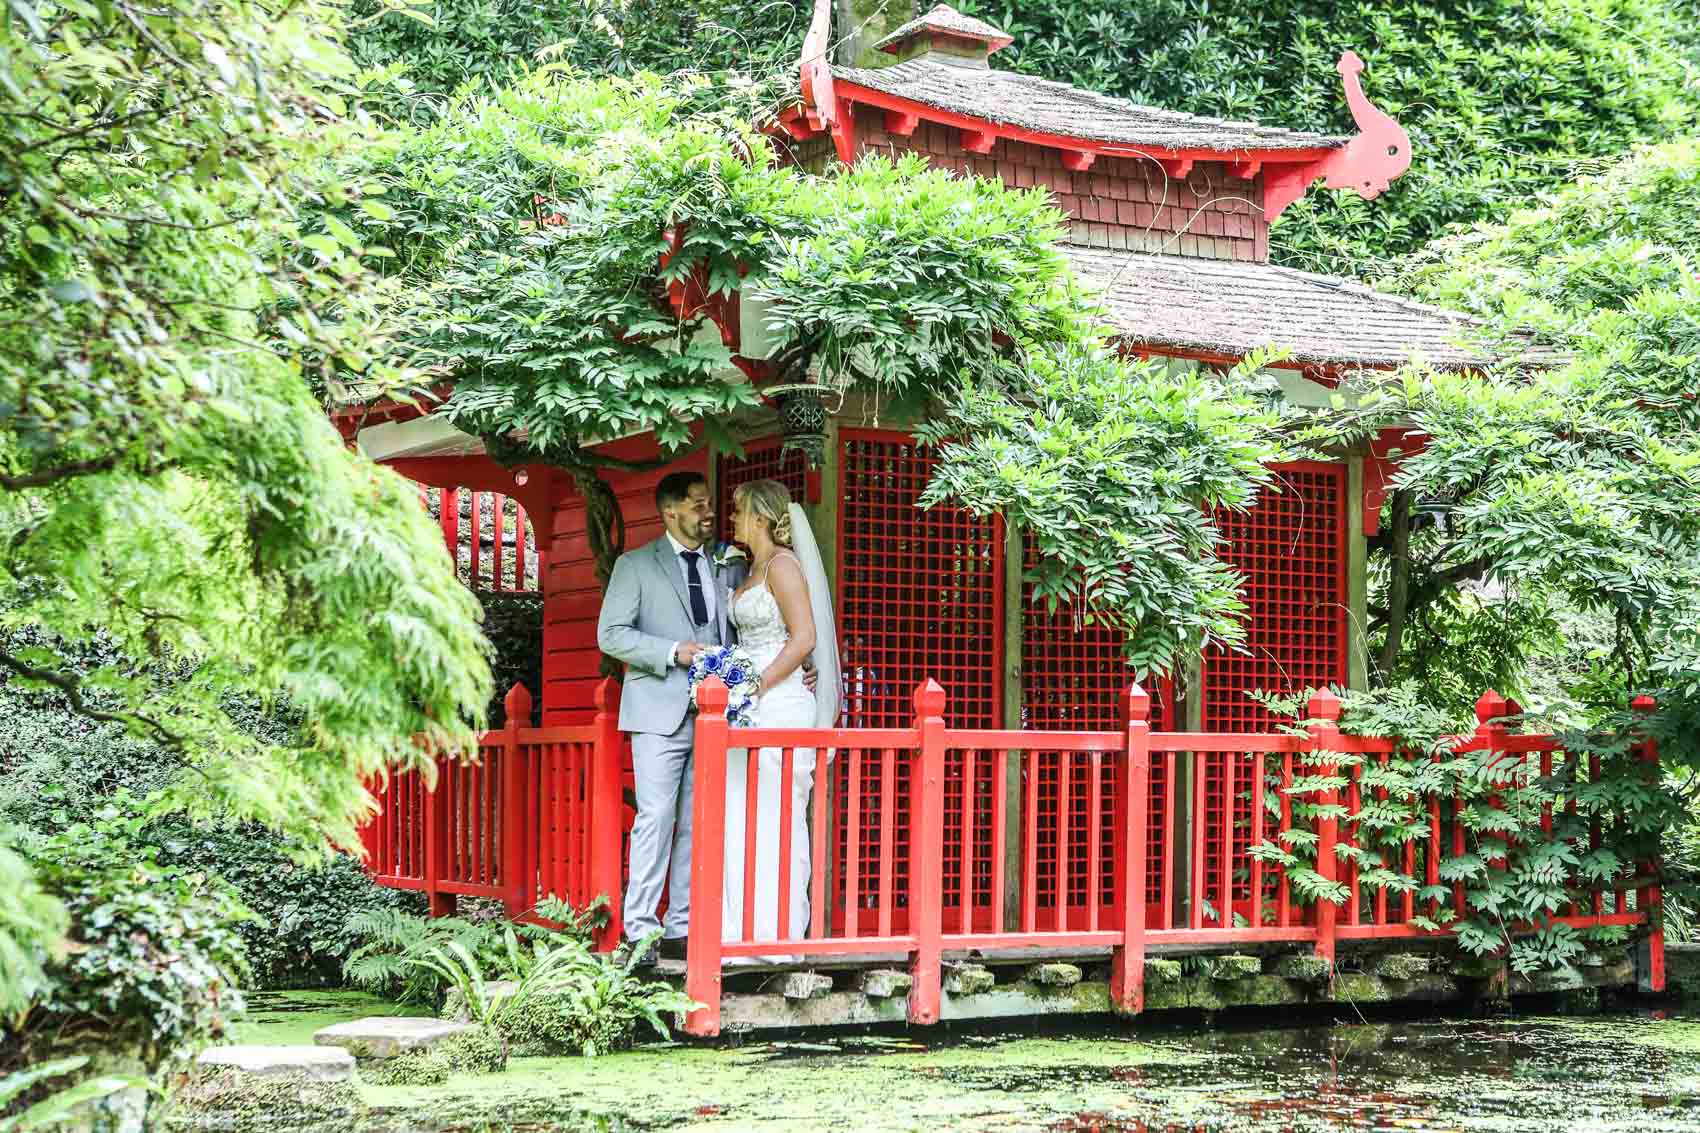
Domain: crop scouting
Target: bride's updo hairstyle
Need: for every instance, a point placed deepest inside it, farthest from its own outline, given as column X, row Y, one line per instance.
column 770, row 500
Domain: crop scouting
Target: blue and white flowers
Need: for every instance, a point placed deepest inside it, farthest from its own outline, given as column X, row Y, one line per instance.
column 733, row 666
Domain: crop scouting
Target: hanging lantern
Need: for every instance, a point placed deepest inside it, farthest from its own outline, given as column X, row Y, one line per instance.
column 802, row 423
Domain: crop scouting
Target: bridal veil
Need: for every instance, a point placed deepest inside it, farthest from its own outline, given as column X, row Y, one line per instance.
column 829, row 680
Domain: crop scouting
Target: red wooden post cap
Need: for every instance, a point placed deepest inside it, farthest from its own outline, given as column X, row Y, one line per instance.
column 518, row 705
column 1324, row 705
column 1138, row 703
column 712, row 697
column 1490, row 707
column 929, row 698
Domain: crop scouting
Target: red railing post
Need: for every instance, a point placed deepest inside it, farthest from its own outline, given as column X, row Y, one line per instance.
column 708, row 859
column 607, row 812
column 1324, row 710
column 926, row 868
column 1490, row 737
column 1133, row 775
column 518, row 881
column 1650, row 901
column 437, row 831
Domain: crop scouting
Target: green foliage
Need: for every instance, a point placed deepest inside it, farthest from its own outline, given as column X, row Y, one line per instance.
column 595, row 1008
column 51, row 1108
column 1502, row 98
column 154, row 960
column 1515, row 873
column 1113, row 466
column 514, row 625
column 1571, row 490
column 167, row 481
column 62, row 769
column 441, row 47
column 915, row 289
column 392, row 941
column 33, row 929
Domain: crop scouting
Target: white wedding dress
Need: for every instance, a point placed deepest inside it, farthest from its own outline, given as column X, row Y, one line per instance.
column 762, row 633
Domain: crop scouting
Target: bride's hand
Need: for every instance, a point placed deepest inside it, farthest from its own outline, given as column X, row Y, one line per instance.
column 810, row 676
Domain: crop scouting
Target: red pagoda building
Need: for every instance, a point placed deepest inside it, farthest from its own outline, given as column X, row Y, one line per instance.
column 1029, row 801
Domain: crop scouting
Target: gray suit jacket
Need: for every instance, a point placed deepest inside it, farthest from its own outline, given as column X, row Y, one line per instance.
column 645, row 612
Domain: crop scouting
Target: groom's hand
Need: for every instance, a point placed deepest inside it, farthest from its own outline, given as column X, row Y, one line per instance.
column 686, row 652
column 810, row 677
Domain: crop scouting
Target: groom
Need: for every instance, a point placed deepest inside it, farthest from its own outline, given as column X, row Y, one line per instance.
column 666, row 602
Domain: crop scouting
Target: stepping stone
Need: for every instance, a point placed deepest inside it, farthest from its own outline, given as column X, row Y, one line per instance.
column 316, row 1063
column 804, row 985
column 382, row 1036
column 1235, row 967
column 968, row 979
column 1161, row 971
column 1054, row 975
column 886, row 983
column 1402, row 966
column 1303, row 967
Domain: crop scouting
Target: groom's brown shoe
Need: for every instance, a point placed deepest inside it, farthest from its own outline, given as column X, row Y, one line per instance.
column 673, row 947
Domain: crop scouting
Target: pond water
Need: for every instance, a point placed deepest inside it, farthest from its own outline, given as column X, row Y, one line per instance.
column 1618, row 1072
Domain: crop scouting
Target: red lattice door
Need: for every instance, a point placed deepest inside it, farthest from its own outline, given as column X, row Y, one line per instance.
column 1074, row 679
column 1290, row 550
column 920, row 594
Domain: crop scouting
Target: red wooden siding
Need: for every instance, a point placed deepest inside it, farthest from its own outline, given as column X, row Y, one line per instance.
column 573, row 596
column 1120, row 202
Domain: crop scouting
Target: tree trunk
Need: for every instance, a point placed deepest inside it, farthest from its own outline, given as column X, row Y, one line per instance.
column 1399, row 587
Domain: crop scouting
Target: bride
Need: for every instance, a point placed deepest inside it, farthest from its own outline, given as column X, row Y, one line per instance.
column 783, row 613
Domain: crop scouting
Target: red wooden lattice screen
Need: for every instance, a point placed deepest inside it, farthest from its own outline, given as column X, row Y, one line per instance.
column 920, row 594
column 1073, row 678
column 763, row 460
column 1291, row 549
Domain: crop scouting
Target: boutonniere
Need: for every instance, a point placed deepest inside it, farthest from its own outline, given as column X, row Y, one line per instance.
column 727, row 554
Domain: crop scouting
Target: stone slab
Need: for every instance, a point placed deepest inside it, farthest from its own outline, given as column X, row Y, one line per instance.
column 382, row 1037
column 804, row 985
column 1161, row 971
column 884, row 983
column 315, row 1063
column 1402, row 965
column 1055, row 974
column 1235, row 966
column 968, row 979
column 1305, row 967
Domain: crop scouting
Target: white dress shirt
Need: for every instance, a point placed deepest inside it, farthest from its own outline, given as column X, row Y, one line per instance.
column 705, row 575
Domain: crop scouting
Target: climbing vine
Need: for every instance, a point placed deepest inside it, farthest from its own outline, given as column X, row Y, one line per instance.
column 1525, row 838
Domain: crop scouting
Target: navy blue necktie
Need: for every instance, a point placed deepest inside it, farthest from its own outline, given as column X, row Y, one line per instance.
column 699, row 605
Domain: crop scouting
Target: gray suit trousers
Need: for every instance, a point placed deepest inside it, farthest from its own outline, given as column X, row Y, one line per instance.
column 661, row 833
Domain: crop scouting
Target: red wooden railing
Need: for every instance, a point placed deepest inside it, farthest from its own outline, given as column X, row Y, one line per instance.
column 502, row 550
column 1250, row 902
column 1003, row 854
column 539, row 813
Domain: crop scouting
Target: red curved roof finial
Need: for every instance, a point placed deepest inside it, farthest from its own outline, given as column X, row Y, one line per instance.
column 1367, row 164
column 816, row 63
column 1382, row 150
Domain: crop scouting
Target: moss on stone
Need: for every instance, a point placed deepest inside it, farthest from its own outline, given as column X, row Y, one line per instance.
column 415, row 1068
column 1159, row 970
column 555, row 1024
column 1236, row 967
column 479, row 1051
column 237, row 1102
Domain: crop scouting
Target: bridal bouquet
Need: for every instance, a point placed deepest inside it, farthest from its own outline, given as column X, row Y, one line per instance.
column 733, row 666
